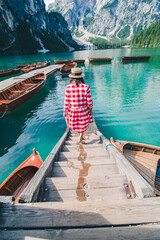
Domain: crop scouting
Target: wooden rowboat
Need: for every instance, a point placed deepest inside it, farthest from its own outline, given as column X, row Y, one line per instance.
column 103, row 59
column 69, row 61
column 21, row 176
column 145, row 158
column 66, row 69
column 34, row 66
column 31, row 64
column 18, row 93
column 63, row 61
column 126, row 59
column 9, row 72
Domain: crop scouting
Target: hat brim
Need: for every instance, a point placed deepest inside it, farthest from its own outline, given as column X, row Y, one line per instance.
column 79, row 76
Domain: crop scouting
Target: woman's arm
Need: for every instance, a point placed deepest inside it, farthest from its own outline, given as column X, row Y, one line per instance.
column 66, row 104
column 89, row 100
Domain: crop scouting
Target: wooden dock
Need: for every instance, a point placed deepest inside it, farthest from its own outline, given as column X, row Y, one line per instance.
column 47, row 70
column 85, row 191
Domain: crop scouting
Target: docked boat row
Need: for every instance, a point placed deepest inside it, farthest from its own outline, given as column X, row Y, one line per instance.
column 25, row 68
column 18, row 93
column 32, row 66
column 125, row 59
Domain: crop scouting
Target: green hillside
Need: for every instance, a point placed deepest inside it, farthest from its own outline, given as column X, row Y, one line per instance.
column 149, row 37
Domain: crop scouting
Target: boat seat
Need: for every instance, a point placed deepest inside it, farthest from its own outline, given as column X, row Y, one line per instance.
column 29, row 84
column 17, row 91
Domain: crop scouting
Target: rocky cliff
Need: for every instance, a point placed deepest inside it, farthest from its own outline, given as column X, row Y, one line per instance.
column 26, row 27
column 110, row 18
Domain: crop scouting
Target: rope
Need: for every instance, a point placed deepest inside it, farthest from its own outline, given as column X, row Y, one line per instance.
column 110, row 144
column 4, row 112
column 120, row 143
column 52, row 154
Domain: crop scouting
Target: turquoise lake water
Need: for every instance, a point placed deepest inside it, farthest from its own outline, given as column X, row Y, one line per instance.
column 126, row 104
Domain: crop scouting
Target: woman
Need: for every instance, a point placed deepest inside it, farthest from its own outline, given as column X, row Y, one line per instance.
column 78, row 103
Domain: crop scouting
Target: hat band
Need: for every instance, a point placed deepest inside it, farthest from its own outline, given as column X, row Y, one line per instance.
column 76, row 74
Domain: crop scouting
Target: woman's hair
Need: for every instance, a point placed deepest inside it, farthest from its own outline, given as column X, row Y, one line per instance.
column 77, row 80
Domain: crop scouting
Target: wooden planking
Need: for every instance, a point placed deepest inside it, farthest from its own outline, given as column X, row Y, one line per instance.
column 63, row 162
column 90, row 153
column 79, row 214
column 69, row 148
column 85, row 170
column 140, row 232
column 147, row 159
column 87, row 195
column 88, row 183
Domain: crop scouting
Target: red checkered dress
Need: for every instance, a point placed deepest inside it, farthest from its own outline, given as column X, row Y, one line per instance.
column 77, row 100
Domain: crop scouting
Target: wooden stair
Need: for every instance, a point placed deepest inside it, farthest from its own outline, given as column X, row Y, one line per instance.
column 85, row 173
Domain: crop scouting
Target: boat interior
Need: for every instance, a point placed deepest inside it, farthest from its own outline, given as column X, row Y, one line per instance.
column 20, row 88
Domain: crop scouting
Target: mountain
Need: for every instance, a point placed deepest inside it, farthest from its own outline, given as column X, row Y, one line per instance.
column 149, row 37
column 107, row 18
column 26, row 27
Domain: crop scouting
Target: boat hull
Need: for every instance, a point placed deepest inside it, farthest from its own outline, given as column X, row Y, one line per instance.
column 105, row 59
column 127, row 59
column 9, row 72
column 20, row 177
column 8, row 106
column 145, row 159
column 66, row 69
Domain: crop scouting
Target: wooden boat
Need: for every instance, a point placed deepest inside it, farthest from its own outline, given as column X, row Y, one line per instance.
column 9, row 72
column 66, row 69
column 69, row 61
column 21, row 176
column 18, row 93
column 102, row 59
column 34, row 66
column 63, row 61
column 79, row 60
column 145, row 158
column 126, row 59
column 31, row 64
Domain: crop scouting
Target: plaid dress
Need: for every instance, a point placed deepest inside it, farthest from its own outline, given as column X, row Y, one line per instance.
column 77, row 100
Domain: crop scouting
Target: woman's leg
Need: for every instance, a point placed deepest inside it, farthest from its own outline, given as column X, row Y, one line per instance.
column 81, row 137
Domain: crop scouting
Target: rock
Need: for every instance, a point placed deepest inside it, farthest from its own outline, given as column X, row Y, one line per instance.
column 26, row 27
column 110, row 18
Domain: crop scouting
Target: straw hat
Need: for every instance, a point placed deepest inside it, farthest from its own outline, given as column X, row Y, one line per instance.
column 76, row 73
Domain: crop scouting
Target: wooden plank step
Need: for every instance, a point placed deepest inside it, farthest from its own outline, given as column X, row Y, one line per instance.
column 140, row 232
column 85, row 170
column 90, row 137
column 93, row 161
column 59, row 214
column 85, row 183
column 87, row 142
column 89, row 153
column 70, row 147
column 87, row 195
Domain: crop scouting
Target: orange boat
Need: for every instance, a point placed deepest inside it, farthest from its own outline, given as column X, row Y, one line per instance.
column 18, row 93
column 126, row 59
column 9, row 72
column 32, row 67
column 19, row 178
column 66, row 69
column 103, row 59
column 145, row 159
